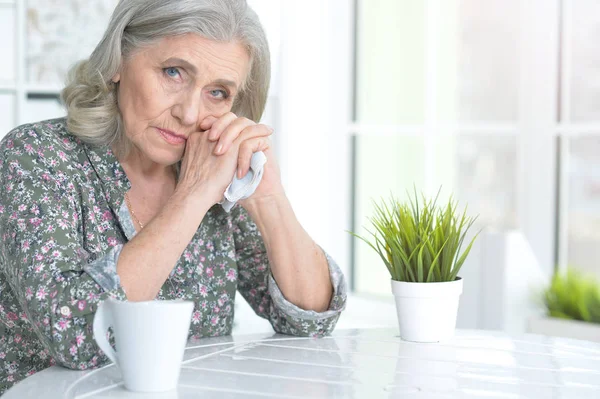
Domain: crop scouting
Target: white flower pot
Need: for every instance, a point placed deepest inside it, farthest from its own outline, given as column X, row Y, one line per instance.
column 427, row 311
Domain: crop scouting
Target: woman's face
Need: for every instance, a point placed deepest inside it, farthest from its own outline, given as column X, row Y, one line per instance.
column 165, row 91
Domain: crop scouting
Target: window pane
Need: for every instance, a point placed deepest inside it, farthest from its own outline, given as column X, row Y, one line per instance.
column 384, row 165
column 447, row 66
column 585, row 61
column 61, row 33
column 390, row 66
column 42, row 109
column 584, row 204
column 486, row 177
column 7, row 45
column 7, row 113
column 488, row 69
column 476, row 58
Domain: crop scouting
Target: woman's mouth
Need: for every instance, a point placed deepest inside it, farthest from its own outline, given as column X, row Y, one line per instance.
column 171, row 137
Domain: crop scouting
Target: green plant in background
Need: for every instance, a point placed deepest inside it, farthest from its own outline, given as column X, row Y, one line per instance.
column 418, row 241
column 572, row 295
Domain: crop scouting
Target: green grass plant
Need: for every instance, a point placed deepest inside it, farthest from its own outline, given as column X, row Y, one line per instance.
column 419, row 241
column 573, row 295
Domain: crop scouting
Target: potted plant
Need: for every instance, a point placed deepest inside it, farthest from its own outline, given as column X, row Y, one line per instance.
column 572, row 306
column 420, row 244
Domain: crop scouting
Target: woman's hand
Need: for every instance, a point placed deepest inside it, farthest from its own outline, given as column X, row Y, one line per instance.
column 213, row 155
column 251, row 137
column 202, row 173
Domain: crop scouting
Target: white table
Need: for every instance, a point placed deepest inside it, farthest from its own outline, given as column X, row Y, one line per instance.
column 365, row 363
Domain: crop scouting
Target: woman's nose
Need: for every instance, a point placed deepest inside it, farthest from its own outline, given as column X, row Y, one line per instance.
column 188, row 108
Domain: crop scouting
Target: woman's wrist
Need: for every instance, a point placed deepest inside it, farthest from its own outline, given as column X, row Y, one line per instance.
column 265, row 205
column 270, row 213
column 197, row 198
column 199, row 193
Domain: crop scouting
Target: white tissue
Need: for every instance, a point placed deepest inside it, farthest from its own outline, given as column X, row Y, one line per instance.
column 243, row 188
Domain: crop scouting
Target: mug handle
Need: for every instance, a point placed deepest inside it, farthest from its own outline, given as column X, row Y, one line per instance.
column 102, row 321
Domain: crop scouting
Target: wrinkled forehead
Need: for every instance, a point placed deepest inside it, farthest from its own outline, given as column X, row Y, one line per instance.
column 201, row 57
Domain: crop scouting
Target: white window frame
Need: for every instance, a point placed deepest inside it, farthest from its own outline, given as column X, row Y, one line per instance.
column 565, row 131
column 535, row 128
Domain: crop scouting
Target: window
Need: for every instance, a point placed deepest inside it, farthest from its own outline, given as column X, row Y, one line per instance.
column 475, row 96
column 579, row 133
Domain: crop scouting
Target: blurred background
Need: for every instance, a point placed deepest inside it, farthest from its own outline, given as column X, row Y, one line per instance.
column 496, row 101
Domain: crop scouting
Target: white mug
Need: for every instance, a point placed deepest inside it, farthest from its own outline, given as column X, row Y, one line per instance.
column 150, row 339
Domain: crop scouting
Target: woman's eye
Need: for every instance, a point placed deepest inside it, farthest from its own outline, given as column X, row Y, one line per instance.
column 220, row 94
column 172, row 72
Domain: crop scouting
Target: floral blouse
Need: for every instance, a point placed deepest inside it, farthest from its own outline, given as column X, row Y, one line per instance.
column 63, row 223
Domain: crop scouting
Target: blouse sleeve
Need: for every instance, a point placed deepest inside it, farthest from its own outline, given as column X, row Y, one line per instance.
column 42, row 257
column 258, row 287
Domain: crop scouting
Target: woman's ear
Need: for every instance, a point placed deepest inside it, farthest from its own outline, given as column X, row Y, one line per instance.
column 116, row 78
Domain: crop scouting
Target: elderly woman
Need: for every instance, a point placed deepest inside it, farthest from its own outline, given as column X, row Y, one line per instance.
column 120, row 198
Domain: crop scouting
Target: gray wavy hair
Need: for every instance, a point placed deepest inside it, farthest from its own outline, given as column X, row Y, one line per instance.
column 90, row 96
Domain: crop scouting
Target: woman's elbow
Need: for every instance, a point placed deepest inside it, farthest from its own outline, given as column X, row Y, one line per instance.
column 80, row 364
column 76, row 354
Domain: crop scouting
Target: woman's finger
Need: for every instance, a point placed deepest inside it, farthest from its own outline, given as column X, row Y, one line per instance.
column 247, row 148
column 196, row 149
column 208, row 122
column 232, row 133
column 218, row 126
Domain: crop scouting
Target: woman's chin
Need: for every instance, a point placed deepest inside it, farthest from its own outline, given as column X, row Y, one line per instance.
column 166, row 158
